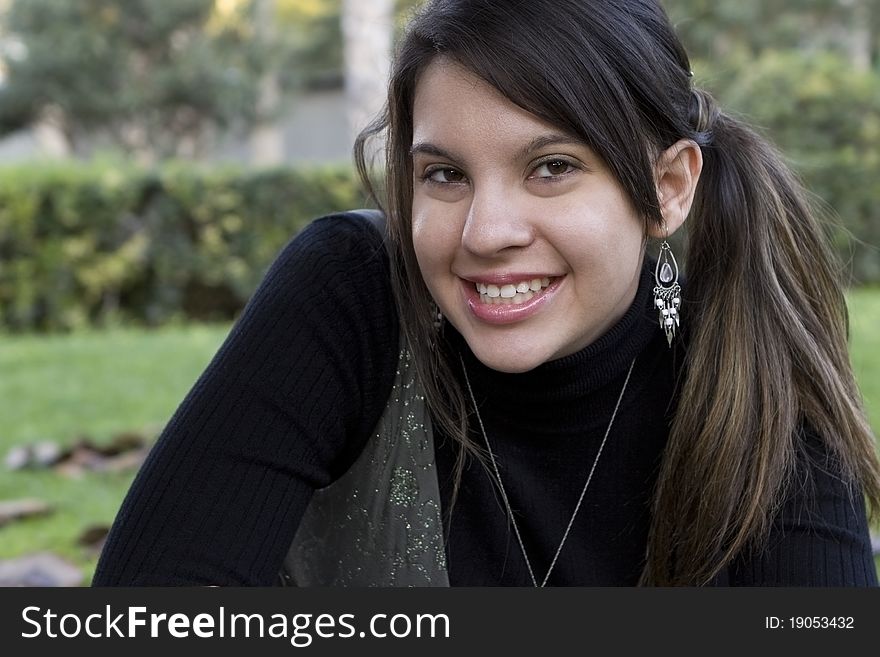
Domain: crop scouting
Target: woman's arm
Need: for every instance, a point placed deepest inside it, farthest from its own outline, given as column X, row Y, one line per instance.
column 284, row 407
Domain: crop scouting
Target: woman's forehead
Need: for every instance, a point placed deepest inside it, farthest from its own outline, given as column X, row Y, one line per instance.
column 453, row 105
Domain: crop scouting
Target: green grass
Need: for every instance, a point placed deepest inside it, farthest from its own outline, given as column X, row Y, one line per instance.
column 57, row 387
column 864, row 310
column 101, row 383
column 864, row 305
column 61, row 388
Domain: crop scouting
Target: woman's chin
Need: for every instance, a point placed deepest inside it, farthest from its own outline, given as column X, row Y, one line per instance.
column 506, row 359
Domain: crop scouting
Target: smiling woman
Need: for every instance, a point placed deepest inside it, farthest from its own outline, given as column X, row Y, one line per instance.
column 491, row 383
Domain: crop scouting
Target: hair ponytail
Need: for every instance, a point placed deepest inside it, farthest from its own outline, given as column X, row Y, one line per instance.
column 767, row 358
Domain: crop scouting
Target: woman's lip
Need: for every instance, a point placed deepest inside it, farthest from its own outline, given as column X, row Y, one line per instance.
column 508, row 313
column 507, row 279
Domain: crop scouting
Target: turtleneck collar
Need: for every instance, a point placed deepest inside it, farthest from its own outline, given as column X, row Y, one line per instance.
column 558, row 383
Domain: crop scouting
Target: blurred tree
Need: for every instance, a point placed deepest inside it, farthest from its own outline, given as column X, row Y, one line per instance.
column 155, row 79
column 825, row 116
column 267, row 138
column 367, row 30
column 315, row 26
column 807, row 72
column 160, row 79
column 731, row 31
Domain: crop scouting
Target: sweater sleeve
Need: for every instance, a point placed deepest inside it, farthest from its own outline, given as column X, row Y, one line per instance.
column 820, row 536
column 285, row 407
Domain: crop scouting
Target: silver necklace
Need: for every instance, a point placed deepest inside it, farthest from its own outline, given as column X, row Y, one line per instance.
column 504, row 493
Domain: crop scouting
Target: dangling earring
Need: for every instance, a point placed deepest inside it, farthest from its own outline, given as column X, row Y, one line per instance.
column 438, row 317
column 667, row 293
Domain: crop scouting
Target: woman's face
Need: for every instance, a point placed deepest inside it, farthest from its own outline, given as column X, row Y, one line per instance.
column 526, row 242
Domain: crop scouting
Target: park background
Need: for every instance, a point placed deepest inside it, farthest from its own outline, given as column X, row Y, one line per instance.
column 155, row 155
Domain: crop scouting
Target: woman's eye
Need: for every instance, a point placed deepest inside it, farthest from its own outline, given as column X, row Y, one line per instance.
column 551, row 169
column 445, row 175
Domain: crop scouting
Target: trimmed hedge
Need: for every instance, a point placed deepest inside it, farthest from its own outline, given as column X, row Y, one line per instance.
column 93, row 244
column 89, row 244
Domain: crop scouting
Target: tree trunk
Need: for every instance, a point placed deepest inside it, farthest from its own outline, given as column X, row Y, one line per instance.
column 367, row 29
column 860, row 36
column 267, row 137
column 51, row 134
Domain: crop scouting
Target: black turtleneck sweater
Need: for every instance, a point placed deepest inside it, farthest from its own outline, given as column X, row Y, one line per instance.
column 292, row 396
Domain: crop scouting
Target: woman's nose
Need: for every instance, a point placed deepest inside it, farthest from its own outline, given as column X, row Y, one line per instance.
column 496, row 221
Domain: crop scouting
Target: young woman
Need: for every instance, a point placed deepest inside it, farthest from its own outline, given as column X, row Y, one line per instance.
column 498, row 386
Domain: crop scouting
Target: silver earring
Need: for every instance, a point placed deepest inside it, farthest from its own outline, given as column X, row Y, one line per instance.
column 438, row 317
column 667, row 292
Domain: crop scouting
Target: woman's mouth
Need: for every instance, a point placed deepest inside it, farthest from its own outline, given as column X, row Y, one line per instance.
column 505, row 302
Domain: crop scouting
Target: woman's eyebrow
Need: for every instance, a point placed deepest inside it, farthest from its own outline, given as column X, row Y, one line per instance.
column 551, row 139
column 541, row 141
column 428, row 148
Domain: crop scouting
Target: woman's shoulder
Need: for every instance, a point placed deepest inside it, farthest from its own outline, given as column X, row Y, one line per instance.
column 819, row 535
column 338, row 254
column 819, row 483
column 355, row 234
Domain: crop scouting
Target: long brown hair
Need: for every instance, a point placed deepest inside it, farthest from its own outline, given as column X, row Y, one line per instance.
column 767, row 328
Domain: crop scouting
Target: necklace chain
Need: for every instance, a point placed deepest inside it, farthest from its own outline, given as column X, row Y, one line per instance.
column 504, row 493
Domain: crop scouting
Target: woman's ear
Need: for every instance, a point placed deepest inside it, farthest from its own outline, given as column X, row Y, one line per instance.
column 677, row 173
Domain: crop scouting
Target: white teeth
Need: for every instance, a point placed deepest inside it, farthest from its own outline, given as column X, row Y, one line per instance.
column 516, row 299
column 507, row 294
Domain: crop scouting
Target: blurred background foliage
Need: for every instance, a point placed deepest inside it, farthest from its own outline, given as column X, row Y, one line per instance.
column 143, row 235
column 806, row 73
column 162, row 79
column 151, row 78
column 154, row 81
column 104, row 243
